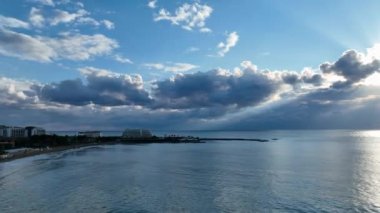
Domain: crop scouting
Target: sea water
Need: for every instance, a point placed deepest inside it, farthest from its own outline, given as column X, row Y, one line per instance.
column 302, row 171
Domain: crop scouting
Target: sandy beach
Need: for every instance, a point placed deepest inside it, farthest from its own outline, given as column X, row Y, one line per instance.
column 28, row 152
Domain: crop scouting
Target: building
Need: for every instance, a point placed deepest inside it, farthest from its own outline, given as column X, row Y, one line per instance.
column 12, row 132
column 32, row 130
column 137, row 133
column 90, row 134
column 20, row 132
column 3, row 131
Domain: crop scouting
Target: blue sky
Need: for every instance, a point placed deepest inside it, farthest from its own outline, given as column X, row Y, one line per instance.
column 171, row 45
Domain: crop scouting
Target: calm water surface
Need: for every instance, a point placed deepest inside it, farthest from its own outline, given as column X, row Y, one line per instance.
column 304, row 171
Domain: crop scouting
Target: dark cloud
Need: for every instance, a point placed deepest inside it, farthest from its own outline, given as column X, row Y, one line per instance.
column 101, row 88
column 214, row 88
column 314, row 79
column 294, row 78
column 215, row 99
column 352, row 65
column 330, row 108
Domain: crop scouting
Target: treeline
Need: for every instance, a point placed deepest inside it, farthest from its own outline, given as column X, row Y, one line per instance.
column 43, row 141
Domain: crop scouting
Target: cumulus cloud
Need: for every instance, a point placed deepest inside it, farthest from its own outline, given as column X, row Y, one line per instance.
column 17, row 92
column 353, row 66
column 36, row 18
column 152, row 4
column 231, row 41
column 45, row 49
column 102, row 87
column 307, row 76
column 171, row 67
column 9, row 22
column 242, row 98
column 214, row 88
column 188, row 16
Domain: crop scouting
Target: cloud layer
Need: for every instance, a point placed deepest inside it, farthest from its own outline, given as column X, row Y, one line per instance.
column 246, row 97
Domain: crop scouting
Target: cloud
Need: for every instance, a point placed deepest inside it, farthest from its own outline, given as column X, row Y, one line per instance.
column 152, row 4
column 214, row 88
column 171, row 67
column 231, row 41
column 75, row 47
column 102, row 87
column 25, row 47
column 108, row 24
column 44, row 2
column 328, row 108
column 9, row 22
column 188, row 16
column 61, row 16
column 122, row 59
column 80, row 4
column 353, row 66
column 36, row 18
column 79, row 47
column 16, row 92
column 79, row 17
column 242, row 98
column 307, row 76
column 192, row 49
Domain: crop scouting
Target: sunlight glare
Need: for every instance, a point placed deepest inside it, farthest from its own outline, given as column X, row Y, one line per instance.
column 372, row 80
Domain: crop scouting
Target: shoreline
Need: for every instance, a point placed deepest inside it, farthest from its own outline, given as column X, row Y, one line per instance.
column 29, row 152
column 34, row 152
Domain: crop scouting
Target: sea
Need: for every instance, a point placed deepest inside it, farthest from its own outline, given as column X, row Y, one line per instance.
column 301, row 171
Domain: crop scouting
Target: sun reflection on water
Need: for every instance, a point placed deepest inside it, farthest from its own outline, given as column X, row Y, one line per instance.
column 367, row 170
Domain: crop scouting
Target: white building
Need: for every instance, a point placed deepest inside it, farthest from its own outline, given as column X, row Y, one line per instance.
column 137, row 133
column 20, row 132
column 90, row 134
column 12, row 132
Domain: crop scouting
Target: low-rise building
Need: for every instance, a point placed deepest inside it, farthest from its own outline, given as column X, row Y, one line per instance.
column 12, row 132
column 137, row 133
column 32, row 130
column 90, row 134
column 3, row 131
column 20, row 132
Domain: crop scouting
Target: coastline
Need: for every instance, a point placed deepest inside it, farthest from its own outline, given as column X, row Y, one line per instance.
column 29, row 152
column 34, row 152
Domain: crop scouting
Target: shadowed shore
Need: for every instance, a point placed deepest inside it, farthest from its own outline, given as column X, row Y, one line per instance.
column 49, row 144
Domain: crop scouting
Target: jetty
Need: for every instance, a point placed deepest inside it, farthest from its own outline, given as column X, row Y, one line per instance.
column 234, row 139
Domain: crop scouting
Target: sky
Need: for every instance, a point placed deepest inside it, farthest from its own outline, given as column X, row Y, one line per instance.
column 190, row 64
